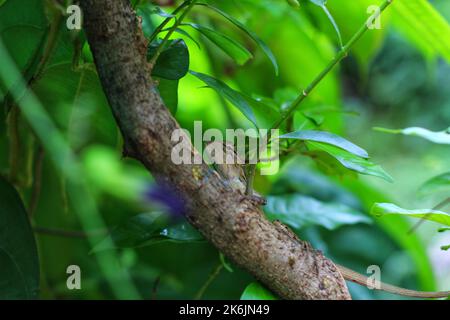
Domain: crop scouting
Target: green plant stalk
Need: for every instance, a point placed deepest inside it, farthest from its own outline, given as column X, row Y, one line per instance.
column 339, row 57
column 65, row 161
column 166, row 21
column 169, row 34
column 208, row 282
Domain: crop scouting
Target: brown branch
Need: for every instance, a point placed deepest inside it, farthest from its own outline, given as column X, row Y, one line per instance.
column 227, row 218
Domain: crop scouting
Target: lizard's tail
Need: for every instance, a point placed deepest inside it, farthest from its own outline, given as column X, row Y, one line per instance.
column 353, row 276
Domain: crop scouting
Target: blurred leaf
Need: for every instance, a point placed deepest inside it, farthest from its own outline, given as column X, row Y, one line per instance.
column 322, row 4
column 352, row 162
column 173, row 62
column 251, row 34
column 382, row 209
column 147, row 229
column 255, row 291
column 235, row 97
column 444, row 229
column 19, row 262
column 424, row 26
column 300, row 211
column 328, row 138
column 436, row 183
column 23, row 33
column 231, row 47
column 446, row 248
column 441, row 137
column 294, row 3
column 168, row 89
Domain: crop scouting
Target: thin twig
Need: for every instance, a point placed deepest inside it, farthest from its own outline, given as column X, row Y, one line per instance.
column 437, row 207
column 163, row 44
column 343, row 52
column 208, row 282
column 167, row 20
column 37, row 182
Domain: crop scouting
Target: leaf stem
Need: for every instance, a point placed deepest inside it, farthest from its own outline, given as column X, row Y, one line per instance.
column 208, row 282
column 167, row 20
column 342, row 53
column 170, row 32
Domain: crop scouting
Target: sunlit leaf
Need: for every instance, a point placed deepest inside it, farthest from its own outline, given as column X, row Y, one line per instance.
column 300, row 211
column 329, row 138
column 173, row 63
column 382, row 209
column 440, row 137
column 251, row 34
column 255, row 291
column 423, row 24
column 352, row 162
column 236, row 98
column 436, row 183
column 231, row 47
column 19, row 263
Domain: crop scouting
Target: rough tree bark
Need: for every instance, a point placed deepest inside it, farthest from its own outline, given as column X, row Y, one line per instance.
column 227, row 218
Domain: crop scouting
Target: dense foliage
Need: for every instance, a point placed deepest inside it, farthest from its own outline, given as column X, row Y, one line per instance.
column 351, row 182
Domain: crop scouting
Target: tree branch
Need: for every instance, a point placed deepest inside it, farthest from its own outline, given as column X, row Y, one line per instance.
column 227, row 218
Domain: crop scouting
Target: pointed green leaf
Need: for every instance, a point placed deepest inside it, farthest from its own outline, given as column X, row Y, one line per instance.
column 440, row 137
column 19, row 262
column 255, row 291
column 251, row 34
column 300, row 211
column 328, row 138
column 352, row 162
column 173, row 63
column 168, row 89
column 382, row 209
column 322, row 4
column 236, row 98
column 436, row 183
column 231, row 47
column 147, row 229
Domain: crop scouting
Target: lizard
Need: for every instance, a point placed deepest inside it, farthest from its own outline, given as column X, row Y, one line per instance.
column 233, row 174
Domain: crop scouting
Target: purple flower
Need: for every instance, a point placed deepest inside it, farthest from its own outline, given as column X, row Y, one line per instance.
column 167, row 197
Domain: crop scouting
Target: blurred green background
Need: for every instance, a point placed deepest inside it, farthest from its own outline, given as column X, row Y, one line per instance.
column 395, row 77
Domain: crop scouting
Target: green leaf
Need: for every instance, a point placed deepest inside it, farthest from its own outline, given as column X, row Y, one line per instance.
column 147, row 229
column 173, row 63
column 446, row 248
column 382, row 209
column 23, row 33
column 444, row 229
column 300, row 211
column 430, row 33
column 322, row 4
column 255, row 291
column 441, row 137
column 251, row 34
column 352, row 162
column 19, row 262
column 436, row 183
column 231, row 47
column 168, row 89
column 328, row 138
column 236, row 98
